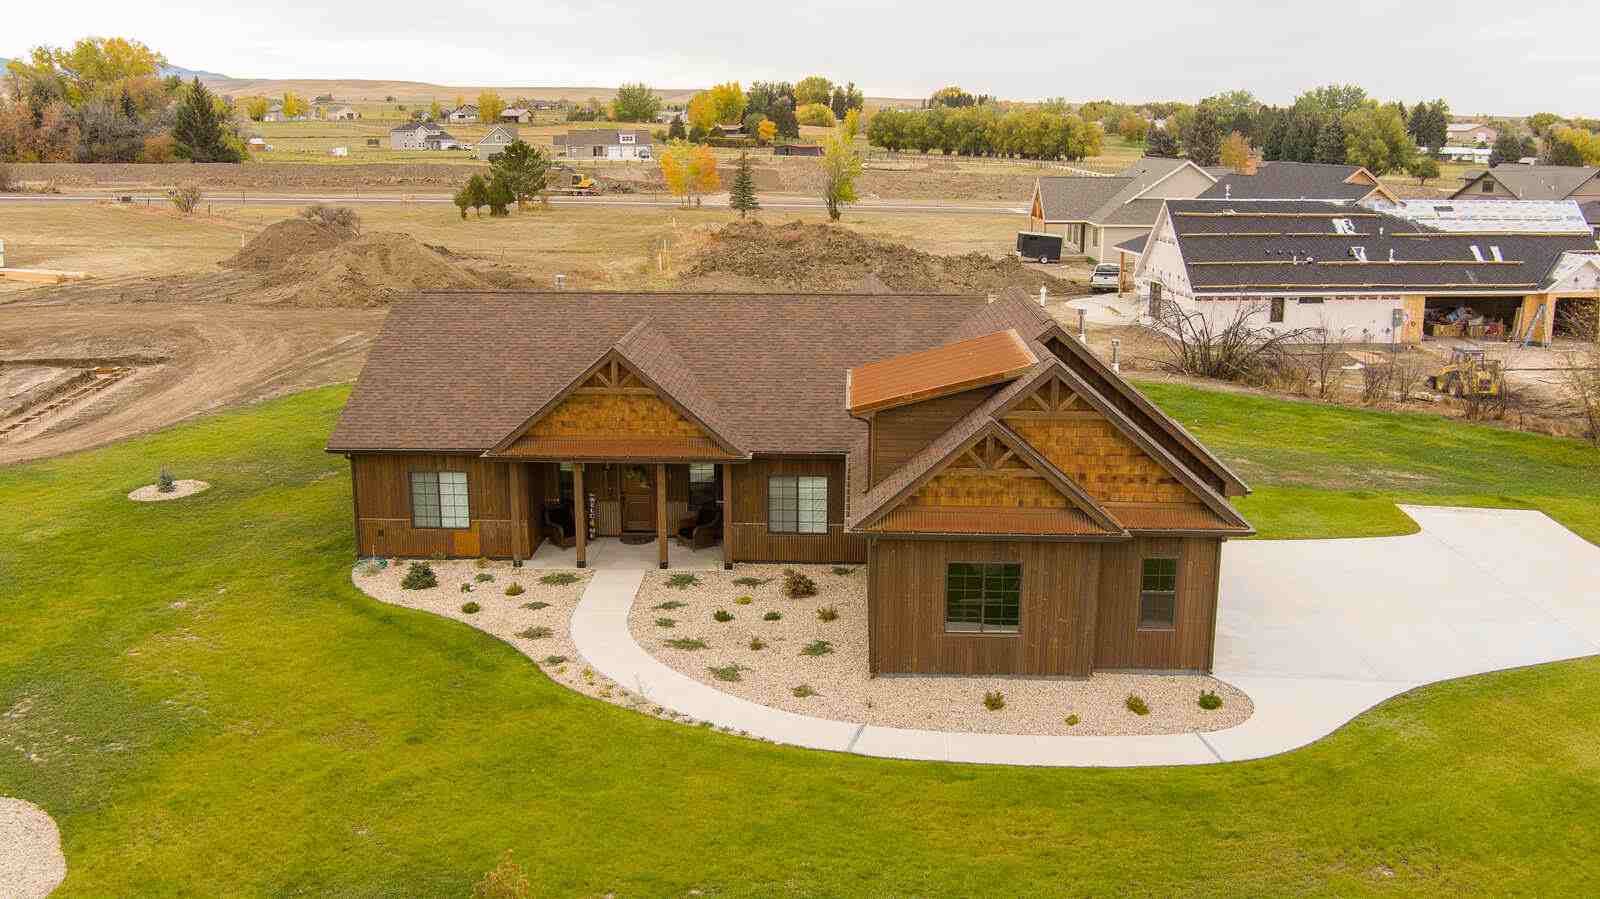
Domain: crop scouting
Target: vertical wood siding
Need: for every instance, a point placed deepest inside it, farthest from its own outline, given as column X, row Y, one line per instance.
column 1188, row 646
column 906, row 608
column 900, row 433
column 746, row 523
column 382, row 485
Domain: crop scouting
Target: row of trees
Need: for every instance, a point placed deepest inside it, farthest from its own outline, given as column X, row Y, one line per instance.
column 105, row 100
column 519, row 174
column 986, row 130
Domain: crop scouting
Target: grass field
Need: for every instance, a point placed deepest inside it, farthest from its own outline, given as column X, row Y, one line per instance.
column 1331, row 471
column 207, row 706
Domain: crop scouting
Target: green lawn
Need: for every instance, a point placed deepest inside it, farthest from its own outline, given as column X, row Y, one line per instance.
column 207, row 707
column 1329, row 471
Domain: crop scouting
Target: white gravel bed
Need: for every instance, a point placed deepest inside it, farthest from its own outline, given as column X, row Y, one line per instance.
column 31, row 863
column 844, row 692
column 508, row 617
column 151, row 493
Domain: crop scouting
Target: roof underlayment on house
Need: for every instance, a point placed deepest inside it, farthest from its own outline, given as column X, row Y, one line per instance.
column 1256, row 245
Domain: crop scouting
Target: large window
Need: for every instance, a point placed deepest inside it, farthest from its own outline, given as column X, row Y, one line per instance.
column 1158, row 594
column 797, row 504
column 982, row 597
column 702, row 485
column 439, row 499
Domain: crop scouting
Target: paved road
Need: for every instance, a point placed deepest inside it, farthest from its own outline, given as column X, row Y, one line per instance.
column 717, row 202
column 1314, row 631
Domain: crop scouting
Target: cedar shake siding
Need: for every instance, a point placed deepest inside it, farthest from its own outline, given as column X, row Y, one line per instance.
column 1019, row 507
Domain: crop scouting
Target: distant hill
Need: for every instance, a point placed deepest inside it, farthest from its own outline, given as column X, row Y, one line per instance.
column 182, row 72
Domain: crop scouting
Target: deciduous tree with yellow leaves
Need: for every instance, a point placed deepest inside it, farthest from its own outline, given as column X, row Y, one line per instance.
column 690, row 171
column 293, row 105
column 1235, row 153
column 489, row 107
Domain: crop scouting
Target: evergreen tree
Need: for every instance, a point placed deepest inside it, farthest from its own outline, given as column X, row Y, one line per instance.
column 197, row 129
column 1507, row 148
column 462, row 199
column 675, row 131
column 742, row 195
column 1330, row 142
column 1160, row 142
column 1202, row 139
column 477, row 194
column 525, row 169
column 499, row 195
column 782, row 114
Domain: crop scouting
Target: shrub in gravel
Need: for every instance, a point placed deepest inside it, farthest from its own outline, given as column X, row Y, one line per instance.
column 797, row 585
column 827, row 613
column 772, row 616
column 688, row 643
column 744, row 600
column 1071, row 720
column 994, row 700
column 816, row 648
column 803, row 691
column 555, row 660
column 536, row 605
column 757, row 644
column 843, row 570
column 1136, row 704
column 559, row 578
column 670, row 604
column 515, row 589
column 666, row 622
column 1210, row 701
column 683, row 580
column 466, row 588
column 728, row 672
column 471, row 608
column 722, row 615
column 748, row 581
column 483, row 577
column 165, row 482
column 419, row 576
column 538, row 632
column 368, row 569
column 480, row 563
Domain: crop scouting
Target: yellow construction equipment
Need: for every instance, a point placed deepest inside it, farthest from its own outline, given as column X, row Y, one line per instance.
column 1468, row 374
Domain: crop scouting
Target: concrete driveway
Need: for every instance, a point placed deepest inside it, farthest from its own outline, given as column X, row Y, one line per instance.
column 1334, row 626
column 1315, row 631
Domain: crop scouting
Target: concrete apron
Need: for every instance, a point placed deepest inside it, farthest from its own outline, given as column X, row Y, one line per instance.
column 1314, row 631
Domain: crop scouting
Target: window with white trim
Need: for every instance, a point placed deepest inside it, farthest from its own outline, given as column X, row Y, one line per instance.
column 797, row 504
column 439, row 499
column 626, row 138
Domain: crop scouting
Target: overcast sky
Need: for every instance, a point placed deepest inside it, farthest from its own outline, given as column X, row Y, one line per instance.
column 1506, row 58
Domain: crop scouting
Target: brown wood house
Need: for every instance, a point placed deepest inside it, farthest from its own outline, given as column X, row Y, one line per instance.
column 1020, row 508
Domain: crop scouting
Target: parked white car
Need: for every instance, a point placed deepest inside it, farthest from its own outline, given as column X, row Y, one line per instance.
column 1105, row 277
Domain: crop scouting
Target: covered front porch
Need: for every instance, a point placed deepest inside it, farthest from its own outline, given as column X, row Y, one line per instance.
column 612, row 553
column 632, row 515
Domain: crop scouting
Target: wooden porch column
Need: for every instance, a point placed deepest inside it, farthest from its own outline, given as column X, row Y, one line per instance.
column 580, row 515
column 519, row 511
column 661, row 511
column 727, row 516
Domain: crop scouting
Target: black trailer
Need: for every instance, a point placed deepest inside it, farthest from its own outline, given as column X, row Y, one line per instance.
column 1034, row 245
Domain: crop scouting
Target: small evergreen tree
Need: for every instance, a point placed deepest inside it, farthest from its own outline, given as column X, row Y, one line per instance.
column 1202, row 138
column 198, row 129
column 477, row 194
column 676, row 131
column 499, row 194
column 742, row 195
column 1160, row 142
column 525, row 168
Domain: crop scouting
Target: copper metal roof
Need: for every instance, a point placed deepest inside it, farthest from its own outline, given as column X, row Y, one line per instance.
column 952, row 368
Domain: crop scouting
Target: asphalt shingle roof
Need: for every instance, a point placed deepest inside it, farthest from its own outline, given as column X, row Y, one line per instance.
column 1291, row 181
column 1075, row 198
column 1536, row 182
column 1287, row 244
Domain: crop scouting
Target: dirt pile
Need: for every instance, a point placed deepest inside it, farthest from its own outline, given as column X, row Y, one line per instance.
column 283, row 242
column 307, row 263
column 801, row 256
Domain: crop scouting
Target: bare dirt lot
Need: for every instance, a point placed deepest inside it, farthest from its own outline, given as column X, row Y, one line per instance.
column 185, row 314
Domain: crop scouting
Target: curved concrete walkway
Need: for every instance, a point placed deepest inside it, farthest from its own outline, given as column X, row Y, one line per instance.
column 1315, row 631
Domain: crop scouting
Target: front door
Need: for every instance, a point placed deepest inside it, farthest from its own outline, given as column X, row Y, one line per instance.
column 638, row 499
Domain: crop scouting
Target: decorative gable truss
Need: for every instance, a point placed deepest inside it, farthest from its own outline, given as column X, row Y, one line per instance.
column 1136, row 481
column 994, row 484
column 615, row 412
